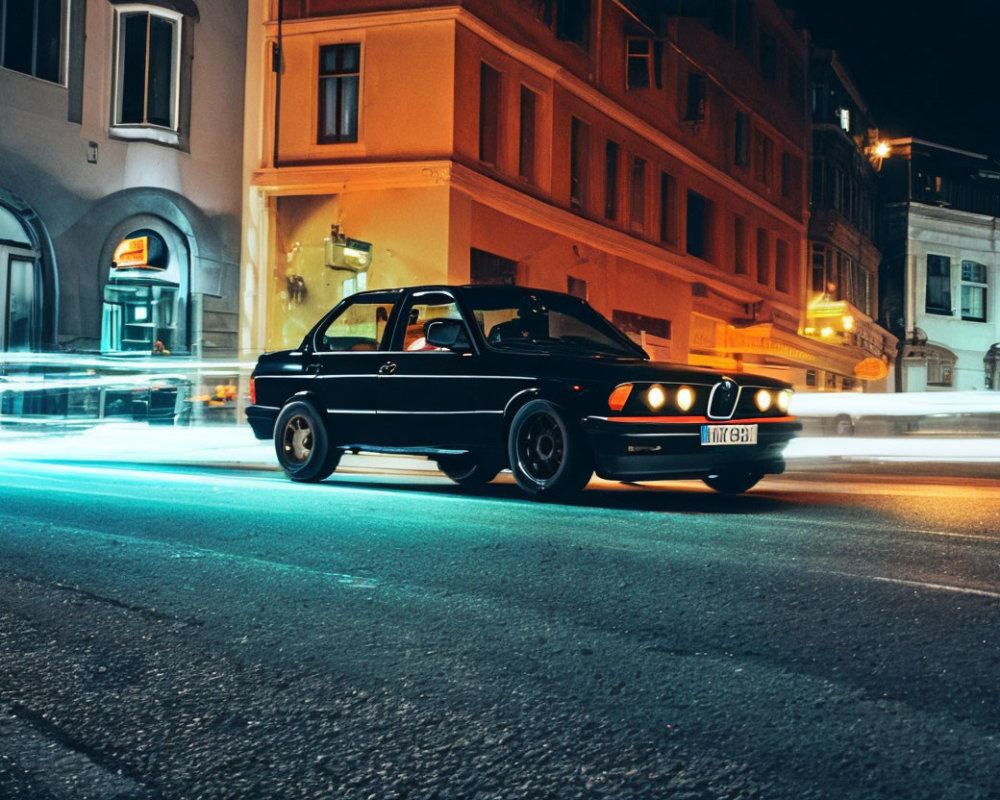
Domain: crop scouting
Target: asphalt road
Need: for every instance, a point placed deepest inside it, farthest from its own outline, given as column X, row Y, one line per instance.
column 207, row 633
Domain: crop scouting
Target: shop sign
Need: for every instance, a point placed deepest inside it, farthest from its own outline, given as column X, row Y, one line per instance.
column 871, row 369
column 133, row 253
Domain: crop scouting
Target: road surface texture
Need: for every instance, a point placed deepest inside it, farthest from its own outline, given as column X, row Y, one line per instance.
column 202, row 633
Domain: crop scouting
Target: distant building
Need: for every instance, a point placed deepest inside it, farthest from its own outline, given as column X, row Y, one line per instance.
column 648, row 156
column 842, row 283
column 120, row 175
column 941, row 250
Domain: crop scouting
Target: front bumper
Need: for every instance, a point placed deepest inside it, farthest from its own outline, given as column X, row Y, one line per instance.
column 635, row 450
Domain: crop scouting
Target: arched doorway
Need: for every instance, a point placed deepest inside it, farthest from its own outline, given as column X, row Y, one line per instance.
column 145, row 299
column 20, row 286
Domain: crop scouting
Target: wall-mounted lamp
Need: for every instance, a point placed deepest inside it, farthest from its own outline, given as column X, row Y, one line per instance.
column 345, row 253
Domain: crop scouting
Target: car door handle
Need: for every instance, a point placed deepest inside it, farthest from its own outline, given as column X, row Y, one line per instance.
column 388, row 368
column 314, row 367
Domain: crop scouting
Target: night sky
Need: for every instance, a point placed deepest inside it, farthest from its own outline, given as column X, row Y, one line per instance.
column 926, row 68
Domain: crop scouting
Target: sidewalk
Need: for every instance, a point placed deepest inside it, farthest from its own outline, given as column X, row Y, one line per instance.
column 234, row 446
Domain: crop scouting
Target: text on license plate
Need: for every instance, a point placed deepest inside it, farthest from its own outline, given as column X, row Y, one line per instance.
column 729, row 434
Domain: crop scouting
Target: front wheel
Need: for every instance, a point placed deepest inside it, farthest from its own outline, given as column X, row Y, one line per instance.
column 469, row 469
column 302, row 443
column 548, row 454
column 733, row 481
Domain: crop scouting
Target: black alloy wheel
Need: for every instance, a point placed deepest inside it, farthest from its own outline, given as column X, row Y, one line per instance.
column 548, row 454
column 733, row 481
column 302, row 443
column 469, row 469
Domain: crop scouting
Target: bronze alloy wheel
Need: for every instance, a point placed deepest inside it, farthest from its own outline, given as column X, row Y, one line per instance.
column 297, row 439
column 302, row 443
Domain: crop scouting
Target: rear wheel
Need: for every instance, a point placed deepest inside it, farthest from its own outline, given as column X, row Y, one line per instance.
column 733, row 481
column 548, row 454
column 302, row 443
column 469, row 469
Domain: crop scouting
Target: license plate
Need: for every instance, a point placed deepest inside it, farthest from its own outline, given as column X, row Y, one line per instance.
column 729, row 434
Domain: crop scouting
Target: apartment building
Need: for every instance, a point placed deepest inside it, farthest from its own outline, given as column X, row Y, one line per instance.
column 941, row 243
column 121, row 126
column 647, row 156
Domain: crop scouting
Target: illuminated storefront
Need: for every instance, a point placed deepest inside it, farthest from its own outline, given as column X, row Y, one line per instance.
column 21, row 289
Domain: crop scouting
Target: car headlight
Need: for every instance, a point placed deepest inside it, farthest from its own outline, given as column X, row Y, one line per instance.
column 783, row 400
column 656, row 397
column 618, row 398
column 763, row 399
column 685, row 398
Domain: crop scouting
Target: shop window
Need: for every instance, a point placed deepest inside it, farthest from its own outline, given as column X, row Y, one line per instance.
column 31, row 37
column 938, row 296
column 489, row 114
column 611, row 159
column 147, row 70
column 23, row 304
column 940, row 366
column 489, row 268
column 139, row 318
column 339, row 87
column 974, row 286
column 579, row 162
column 526, row 152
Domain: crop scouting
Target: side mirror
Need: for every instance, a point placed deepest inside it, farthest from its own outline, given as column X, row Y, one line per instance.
column 447, row 333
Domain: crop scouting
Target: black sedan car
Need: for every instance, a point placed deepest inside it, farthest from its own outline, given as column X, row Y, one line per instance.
column 482, row 378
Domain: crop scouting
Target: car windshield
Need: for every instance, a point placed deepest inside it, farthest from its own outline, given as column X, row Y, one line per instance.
column 523, row 320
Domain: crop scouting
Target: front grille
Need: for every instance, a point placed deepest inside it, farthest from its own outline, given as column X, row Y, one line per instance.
column 722, row 401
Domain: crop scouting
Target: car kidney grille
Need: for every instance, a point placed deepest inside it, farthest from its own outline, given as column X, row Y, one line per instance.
column 722, row 402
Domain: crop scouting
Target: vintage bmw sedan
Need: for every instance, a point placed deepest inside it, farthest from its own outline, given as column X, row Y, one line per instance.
column 483, row 378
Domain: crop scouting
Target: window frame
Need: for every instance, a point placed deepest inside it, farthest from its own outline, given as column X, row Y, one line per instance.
column 322, row 77
column 941, row 286
column 169, row 134
column 980, row 285
column 62, row 40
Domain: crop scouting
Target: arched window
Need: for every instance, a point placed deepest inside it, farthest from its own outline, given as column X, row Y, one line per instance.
column 20, row 286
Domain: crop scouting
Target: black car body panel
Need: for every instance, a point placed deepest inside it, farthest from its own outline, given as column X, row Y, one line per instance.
column 368, row 369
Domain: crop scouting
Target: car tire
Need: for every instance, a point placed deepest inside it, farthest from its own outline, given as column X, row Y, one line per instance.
column 302, row 443
column 468, row 469
column 734, row 481
column 549, row 456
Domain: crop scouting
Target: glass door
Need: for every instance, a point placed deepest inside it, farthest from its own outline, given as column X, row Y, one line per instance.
column 20, row 302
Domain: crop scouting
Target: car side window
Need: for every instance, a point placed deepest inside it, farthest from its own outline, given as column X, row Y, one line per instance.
column 358, row 327
column 419, row 310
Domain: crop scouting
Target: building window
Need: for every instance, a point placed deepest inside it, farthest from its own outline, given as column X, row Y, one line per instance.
column 782, row 264
column 974, row 286
column 339, row 85
column 637, row 204
column 576, row 287
column 489, row 114
column 699, row 223
column 579, row 158
column 668, row 208
column 641, row 64
column 940, row 366
column 741, row 246
column 573, row 21
column 147, row 69
column 611, row 158
column 694, row 110
column 741, row 140
column 763, row 257
column 764, row 148
column 526, row 152
column 768, row 56
column 31, row 37
column 938, row 300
